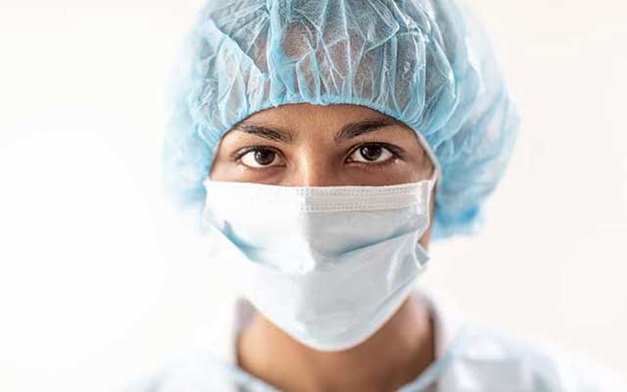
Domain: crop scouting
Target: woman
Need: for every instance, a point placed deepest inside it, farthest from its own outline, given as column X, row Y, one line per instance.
column 326, row 143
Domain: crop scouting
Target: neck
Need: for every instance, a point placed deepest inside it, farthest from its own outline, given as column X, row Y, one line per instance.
column 395, row 355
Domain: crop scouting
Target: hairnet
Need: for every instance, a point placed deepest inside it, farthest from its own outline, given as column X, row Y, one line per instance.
column 427, row 63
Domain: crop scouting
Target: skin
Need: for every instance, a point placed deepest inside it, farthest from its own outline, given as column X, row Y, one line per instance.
column 304, row 145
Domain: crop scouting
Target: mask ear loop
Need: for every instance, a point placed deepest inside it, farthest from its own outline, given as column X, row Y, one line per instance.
column 434, row 181
column 436, row 176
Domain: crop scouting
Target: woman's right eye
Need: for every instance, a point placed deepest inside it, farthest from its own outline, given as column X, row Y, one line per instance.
column 260, row 158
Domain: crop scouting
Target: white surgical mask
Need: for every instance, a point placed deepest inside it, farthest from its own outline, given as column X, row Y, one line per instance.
column 327, row 265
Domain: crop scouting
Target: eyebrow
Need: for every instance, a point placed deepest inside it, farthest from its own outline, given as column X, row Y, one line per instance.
column 274, row 134
column 347, row 132
column 353, row 130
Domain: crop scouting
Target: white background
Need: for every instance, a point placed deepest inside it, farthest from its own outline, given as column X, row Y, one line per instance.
column 99, row 283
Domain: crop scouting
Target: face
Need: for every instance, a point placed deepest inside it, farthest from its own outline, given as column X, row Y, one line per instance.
column 312, row 145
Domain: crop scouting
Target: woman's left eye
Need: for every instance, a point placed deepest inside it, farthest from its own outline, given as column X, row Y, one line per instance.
column 371, row 153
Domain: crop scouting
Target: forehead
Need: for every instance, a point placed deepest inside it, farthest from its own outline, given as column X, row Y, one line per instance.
column 304, row 115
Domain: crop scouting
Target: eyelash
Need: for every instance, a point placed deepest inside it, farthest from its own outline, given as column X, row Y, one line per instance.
column 237, row 157
column 396, row 152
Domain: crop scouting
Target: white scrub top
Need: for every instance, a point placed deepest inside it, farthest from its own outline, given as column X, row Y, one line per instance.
column 469, row 358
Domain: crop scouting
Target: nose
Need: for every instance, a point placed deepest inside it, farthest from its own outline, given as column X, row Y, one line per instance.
column 313, row 168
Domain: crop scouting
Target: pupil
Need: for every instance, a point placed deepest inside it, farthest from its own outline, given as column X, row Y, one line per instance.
column 371, row 153
column 264, row 157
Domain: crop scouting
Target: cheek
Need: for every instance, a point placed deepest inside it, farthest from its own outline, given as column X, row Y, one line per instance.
column 420, row 166
column 217, row 168
column 396, row 173
column 407, row 173
column 222, row 169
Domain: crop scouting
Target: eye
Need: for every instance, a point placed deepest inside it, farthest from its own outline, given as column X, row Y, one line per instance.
column 259, row 157
column 371, row 153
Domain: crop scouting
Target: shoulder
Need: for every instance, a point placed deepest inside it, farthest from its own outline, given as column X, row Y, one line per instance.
column 478, row 357
column 485, row 358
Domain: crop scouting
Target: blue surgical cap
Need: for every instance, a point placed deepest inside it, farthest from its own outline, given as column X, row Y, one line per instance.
column 427, row 63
